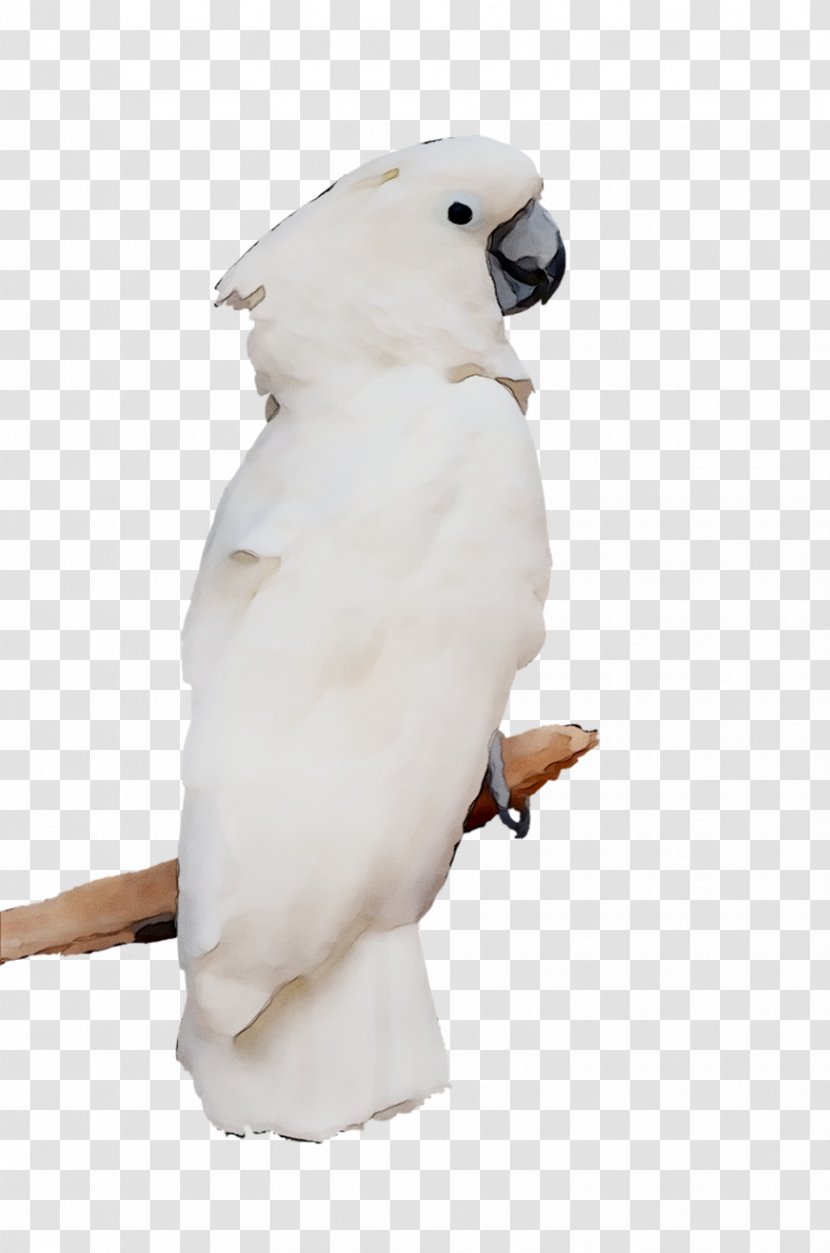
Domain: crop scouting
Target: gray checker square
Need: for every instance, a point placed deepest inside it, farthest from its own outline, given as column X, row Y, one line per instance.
column 637, row 997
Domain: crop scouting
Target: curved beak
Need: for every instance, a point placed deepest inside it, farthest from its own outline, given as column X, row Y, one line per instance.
column 526, row 258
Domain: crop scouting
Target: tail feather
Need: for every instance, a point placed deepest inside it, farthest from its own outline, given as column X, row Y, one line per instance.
column 358, row 1039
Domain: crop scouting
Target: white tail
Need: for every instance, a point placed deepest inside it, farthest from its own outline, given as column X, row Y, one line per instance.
column 353, row 1041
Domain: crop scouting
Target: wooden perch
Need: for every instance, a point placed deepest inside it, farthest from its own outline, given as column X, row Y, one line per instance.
column 140, row 906
column 137, row 906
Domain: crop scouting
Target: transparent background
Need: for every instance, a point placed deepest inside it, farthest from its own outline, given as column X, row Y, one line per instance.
column 636, row 997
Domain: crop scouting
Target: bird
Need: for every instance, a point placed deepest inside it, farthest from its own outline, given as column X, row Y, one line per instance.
column 374, row 577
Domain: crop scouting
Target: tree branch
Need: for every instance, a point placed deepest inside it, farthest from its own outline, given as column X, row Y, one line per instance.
column 140, row 906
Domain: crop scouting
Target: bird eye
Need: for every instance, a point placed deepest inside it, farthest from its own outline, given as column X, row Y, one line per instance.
column 459, row 213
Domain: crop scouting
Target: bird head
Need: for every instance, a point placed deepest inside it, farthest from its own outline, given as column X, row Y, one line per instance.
column 420, row 253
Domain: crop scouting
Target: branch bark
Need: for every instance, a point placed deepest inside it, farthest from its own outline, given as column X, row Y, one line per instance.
column 140, row 906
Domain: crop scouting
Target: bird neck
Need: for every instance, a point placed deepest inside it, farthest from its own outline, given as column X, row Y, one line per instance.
column 295, row 367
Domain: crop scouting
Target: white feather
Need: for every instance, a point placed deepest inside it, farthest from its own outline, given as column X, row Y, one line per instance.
column 346, row 683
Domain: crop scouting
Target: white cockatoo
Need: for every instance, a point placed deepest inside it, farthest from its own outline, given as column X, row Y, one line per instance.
column 375, row 575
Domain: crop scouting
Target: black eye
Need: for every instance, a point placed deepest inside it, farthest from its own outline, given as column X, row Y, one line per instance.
column 459, row 213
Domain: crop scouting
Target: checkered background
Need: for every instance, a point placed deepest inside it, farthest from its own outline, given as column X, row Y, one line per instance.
column 637, row 998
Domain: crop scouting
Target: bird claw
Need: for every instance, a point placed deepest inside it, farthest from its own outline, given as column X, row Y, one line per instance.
column 501, row 792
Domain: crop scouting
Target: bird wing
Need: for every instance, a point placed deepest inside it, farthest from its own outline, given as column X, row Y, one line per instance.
column 342, row 712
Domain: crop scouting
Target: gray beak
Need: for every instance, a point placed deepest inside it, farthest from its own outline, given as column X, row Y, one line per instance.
column 526, row 257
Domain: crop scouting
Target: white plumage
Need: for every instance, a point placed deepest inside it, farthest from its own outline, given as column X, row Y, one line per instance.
column 374, row 577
